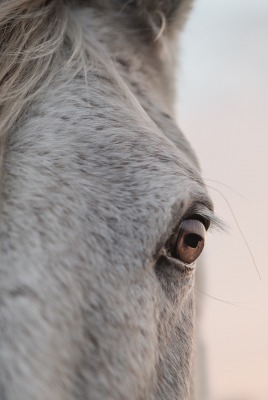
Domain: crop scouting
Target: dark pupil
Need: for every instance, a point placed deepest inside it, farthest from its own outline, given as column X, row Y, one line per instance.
column 192, row 240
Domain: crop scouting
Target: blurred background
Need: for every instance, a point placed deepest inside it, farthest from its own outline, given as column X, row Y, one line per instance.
column 223, row 110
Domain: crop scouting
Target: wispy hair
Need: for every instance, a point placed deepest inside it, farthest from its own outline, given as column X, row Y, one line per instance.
column 33, row 34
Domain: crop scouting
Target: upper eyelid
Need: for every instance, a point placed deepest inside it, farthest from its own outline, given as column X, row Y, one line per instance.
column 208, row 214
column 203, row 208
column 197, row 216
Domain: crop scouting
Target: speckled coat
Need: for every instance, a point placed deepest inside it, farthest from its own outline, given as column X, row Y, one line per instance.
column 96, row 179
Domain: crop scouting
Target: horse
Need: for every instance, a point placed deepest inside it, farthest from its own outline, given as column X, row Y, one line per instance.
column 103, row 211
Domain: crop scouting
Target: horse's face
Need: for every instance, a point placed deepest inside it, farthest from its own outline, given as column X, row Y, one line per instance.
column 137, row 187
column 100, row 187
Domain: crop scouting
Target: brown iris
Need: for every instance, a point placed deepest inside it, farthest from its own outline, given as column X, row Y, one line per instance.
column 191, row 240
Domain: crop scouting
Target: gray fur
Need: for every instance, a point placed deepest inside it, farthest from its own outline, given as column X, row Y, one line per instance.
column 97, row 177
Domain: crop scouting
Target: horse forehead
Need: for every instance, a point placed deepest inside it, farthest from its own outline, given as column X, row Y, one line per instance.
column 113, row 138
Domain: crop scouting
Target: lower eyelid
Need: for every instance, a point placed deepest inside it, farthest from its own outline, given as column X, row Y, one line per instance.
column 176, row 264
column 173, row 278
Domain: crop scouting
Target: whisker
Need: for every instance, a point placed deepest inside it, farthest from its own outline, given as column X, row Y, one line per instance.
column 240, row 230
column 225, row 301
column 228, row 187
column 215, row 298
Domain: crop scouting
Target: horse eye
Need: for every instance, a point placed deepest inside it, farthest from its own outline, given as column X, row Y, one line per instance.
column 191, row 241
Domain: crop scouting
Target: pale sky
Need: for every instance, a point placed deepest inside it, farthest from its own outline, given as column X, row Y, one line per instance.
column 223, row 110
